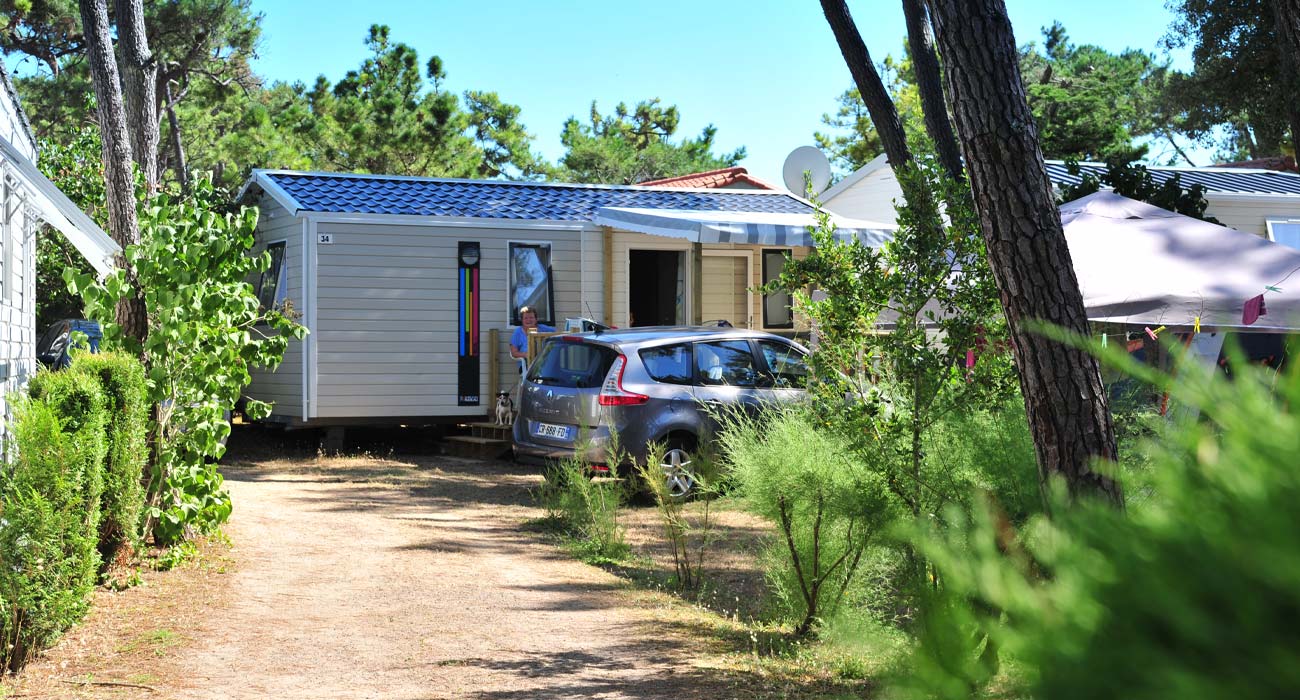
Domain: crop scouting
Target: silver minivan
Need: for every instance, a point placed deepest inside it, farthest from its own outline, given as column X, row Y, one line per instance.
column 649, row 385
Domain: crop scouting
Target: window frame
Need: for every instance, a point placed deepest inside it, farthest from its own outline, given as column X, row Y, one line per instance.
column 787, row 252
column 690, row 362
column 1289, row 219
column 756, row 363
column 279, row 272
column 769, row 372
column 512, row 321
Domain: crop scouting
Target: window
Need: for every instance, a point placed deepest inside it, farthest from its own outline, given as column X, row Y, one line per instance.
column 530, row 281
column 273, row 286
column 786, row 366
column 725, row 363
column 1285, row 231
column 670, row 364
column 777, row 311
column 572, row 365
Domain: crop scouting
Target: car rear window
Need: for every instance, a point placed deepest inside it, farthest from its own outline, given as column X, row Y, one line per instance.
column 670, row 364
column 573, row 365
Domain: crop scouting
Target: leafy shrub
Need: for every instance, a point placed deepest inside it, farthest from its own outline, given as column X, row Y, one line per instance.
column 1193, row 593
column 828, row 506
column 990, row 450
column 588, row 509
column 49, row 525
column 206, row 330
column 122, row 379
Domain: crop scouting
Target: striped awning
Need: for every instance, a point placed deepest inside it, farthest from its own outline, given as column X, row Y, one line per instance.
column 751, row 228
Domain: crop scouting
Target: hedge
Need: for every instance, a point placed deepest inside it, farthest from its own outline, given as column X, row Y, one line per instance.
column 50, row 511
column 122, row 379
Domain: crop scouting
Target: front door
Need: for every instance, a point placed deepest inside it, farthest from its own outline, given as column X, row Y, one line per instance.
column 656, row 288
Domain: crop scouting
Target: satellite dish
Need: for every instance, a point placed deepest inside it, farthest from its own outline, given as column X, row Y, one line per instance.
column 811, row 159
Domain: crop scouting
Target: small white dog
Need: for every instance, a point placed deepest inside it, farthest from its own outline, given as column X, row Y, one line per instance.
column 505, row 409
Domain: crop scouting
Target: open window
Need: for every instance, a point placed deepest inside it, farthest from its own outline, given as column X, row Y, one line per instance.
column 531, row 281
column 1284, row 230
column 777, row 310
column 273, row 285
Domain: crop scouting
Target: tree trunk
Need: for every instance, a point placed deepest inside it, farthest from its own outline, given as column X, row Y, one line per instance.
column 182, row 169
column 1068, row 413
column 1286, row 13
column 883, row 114
column 929, row 83
column 140, row 83
column 118, row 180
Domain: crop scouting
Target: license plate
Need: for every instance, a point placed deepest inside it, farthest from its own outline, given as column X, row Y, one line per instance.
column 559, row 432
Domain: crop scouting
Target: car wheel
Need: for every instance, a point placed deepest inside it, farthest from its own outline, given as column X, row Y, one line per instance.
column 679, row 479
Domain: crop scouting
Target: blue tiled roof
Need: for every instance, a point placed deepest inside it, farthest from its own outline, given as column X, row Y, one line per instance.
column 341, row 193
column 1235, row 180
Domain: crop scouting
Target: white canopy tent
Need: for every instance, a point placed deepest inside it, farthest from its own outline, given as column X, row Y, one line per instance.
column 754, row 228
column 1141, row 265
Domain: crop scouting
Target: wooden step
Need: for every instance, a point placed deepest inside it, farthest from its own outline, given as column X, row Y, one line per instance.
column 477, row 446
column 490, row 430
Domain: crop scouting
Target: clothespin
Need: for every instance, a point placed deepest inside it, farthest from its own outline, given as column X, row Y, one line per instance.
column 1153, row 333
column 1103, row 340
column 1196, row 324
column 1271, row 288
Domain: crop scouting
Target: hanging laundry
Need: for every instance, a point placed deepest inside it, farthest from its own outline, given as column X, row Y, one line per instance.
column 1253, row 309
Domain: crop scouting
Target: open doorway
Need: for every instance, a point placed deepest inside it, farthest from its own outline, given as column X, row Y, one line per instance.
column 656, row 286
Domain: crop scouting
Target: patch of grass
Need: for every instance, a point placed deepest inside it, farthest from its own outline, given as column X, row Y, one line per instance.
column 157, row 641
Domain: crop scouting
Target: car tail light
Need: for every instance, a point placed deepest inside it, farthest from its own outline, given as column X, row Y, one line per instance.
column 600, row 468
column 612, row 393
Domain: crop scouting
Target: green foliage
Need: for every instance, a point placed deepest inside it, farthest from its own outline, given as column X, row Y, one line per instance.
column 74, row 166
column 49, row 522
column 1134, row 181
column 851, row 141
column 588, row 509
column 1101, row 603
column 206, row 329
column 1089, row 103
column 121, row 378
column 689, row 534
column 895, row 328
column 631, row 146
column 1243, row 111
column 828, row 505
column 380, row 119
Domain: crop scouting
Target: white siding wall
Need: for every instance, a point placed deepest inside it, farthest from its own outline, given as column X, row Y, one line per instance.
column 17, row 301
column 1251, row 215
column 871, row 198
column 283, row 387
column 386, row 336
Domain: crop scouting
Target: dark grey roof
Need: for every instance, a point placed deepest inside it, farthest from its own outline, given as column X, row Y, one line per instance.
column 377, row 194
column 1229, row 180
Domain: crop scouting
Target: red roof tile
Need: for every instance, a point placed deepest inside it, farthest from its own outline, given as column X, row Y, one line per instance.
column 1281, row 163
column 711, row 179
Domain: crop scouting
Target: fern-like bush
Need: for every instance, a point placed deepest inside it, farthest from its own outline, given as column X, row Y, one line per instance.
column 828, row 506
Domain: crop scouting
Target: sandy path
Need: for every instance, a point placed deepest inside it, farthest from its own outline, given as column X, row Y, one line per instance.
column 363, row 582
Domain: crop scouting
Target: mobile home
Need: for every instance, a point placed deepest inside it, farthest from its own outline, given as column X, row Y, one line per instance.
column 410, row 287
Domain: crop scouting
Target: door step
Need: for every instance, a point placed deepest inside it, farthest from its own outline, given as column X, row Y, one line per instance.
column 478, row 446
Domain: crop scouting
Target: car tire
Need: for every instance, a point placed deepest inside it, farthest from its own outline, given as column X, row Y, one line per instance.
column 675, row 463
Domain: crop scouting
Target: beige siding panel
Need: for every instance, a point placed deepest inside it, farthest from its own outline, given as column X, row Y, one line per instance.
column 283, row 386
column 388, row 309
column 726, row 289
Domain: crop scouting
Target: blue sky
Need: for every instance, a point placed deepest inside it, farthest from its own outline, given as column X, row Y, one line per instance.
column 762, row 71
